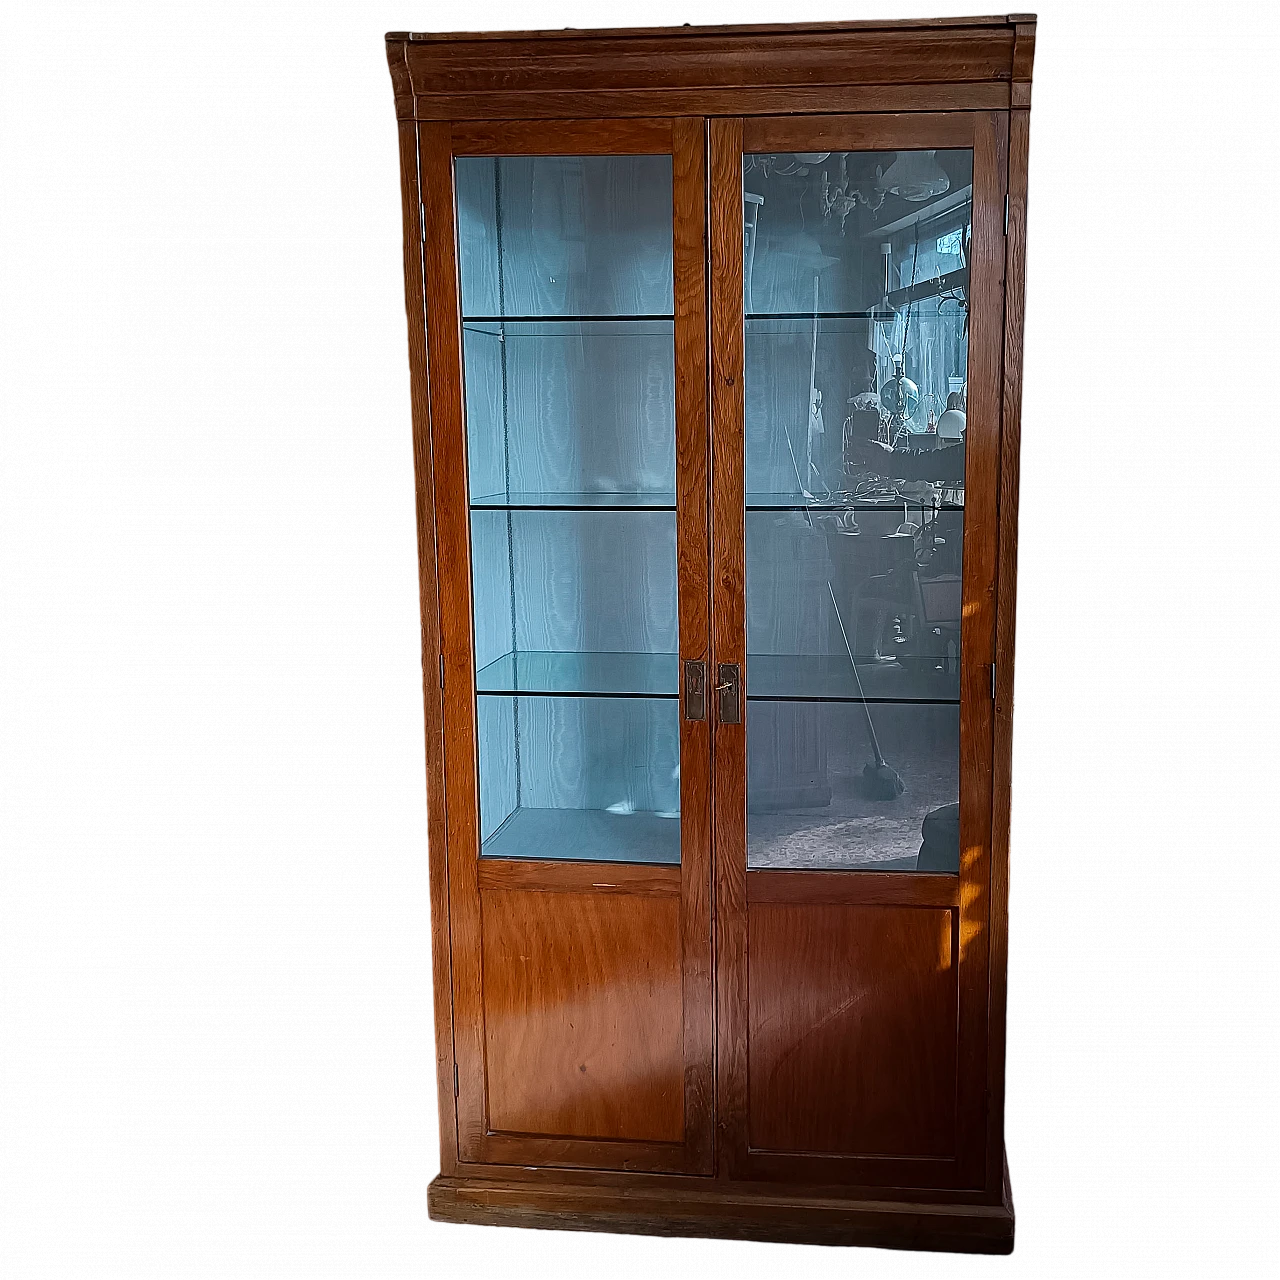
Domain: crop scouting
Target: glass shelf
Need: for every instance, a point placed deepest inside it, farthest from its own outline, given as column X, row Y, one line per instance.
column 819, row 678
column 753, row 316
column 886, row 502
column 575, row 502
column 667, row 502
column 649, row 675
column 770, row 678
column 666, row 319
column 586, row 835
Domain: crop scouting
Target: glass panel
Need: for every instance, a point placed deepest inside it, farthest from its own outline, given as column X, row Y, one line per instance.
column 630, row 673
column 569, row 373
column 856, row 344
column 595, row 778
column 571, row 412
column 808, row 802
column 568, row 236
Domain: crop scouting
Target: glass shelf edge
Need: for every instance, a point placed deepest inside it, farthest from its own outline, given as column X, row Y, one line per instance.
column 649, row 317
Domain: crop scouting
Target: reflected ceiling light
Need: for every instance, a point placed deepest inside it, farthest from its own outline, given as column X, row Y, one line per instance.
column 951, row 425
column 915, row 175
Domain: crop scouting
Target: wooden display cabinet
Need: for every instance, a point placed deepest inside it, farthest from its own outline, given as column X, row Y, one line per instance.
column 715, row 343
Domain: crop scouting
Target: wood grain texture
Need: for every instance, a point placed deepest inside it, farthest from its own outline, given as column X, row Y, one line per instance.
column 1024, row 51
column 853, row 1030
column 580, row 877
column 693, row 448
column 583, row 1015
column 890, row 131
column 449, row 471
column 625, row 1157
column 720, row 29
column 1006, row 601
column 564, row 137
column 633, row 1178
column 424, row 498
column 964, row 1163
column 712, row 59
column 603, row 1160
column 401, row 82
column 852, row 888
column 990, row 95
column 729, row 635
column 977, row 639
column 488, row 1099
column 719, row 1210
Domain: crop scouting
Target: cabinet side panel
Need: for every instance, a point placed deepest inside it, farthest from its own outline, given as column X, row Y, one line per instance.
column 982, row 477
column 424, row 490
column 401, row 80
column 449, row 472
column 1006, row 605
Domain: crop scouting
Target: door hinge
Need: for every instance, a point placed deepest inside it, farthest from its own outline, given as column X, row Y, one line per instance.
column 1006, row 213
column 422, row 220
column 442, row 670
column 455, row 1079
column 993, row 682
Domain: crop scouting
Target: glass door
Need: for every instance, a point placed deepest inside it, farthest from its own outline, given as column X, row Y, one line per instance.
column 568, row 333
column 855, row 371
column 856, row 427
column 578, row 780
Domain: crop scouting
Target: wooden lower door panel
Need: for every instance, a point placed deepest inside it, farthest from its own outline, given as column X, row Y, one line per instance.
column 583, row 1015
column 852, row 1030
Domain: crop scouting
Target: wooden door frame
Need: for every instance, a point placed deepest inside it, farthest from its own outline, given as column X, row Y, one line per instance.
column 438, row 143
column 970, row 895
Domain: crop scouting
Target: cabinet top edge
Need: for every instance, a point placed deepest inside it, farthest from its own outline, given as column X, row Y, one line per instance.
column 789, row 28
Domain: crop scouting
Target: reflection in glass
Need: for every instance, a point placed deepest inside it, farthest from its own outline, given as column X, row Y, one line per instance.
column 817, row 813
column 569, row 376
column 856, row 282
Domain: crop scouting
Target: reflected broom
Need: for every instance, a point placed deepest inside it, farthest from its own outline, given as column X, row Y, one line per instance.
column 879, row 780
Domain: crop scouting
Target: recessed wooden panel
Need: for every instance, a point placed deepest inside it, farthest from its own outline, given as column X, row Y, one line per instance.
column 583, row 1015
column 853, row 1030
